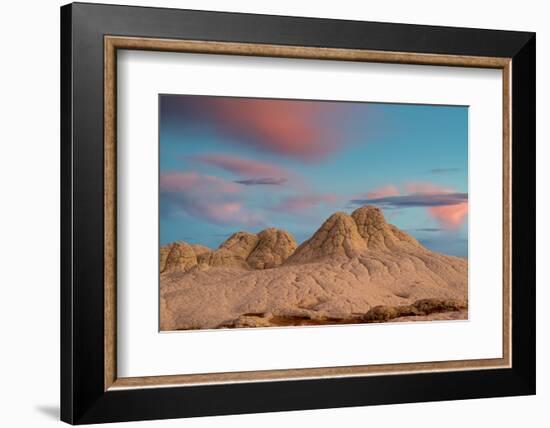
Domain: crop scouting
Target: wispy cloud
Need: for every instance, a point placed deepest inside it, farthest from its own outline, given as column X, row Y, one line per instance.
column 427, row 188
column 449, row 208
column 298, row 203
column 384, row 191
column 265, row 181
column 184, row 192
column 426, row 229
column 450, row 216
column 241, row 166
column 444, row 170
column 187, row 181
column 415, row 200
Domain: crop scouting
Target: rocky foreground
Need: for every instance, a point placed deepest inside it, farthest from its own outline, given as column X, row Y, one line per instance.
column 356, row 268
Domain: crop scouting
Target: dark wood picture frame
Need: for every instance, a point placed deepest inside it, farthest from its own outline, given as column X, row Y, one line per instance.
column 90, row 389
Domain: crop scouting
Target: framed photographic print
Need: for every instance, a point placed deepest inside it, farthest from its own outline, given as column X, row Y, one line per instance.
column 265, row 213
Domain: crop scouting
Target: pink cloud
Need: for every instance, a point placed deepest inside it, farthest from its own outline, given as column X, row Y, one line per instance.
column 425, row 188
column 227, row 213
column 297, row 129
column 186, row 181
column 303, row 202
column 447, row 207
column 242, row 167
column 205, row 197
column 384, row 191
column 448, row 216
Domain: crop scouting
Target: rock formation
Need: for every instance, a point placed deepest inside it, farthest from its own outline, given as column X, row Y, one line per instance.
column 337, row 237
column 265, row 250
column 200, row 249
column 273, row 248
column 351, row 266
column 378, row 234
column 178, row 256
column 222, row 257
column 421, row 307
column 241, row 244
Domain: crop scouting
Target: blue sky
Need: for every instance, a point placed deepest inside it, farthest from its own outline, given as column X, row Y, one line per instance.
column 230, row 164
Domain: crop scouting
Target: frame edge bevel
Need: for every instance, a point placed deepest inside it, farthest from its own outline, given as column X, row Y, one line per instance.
column 66, row 304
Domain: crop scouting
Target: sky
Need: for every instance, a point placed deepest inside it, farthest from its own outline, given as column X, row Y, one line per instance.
column 229, row 164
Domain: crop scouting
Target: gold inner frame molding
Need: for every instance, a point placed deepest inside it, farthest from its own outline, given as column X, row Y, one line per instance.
column 113, row 43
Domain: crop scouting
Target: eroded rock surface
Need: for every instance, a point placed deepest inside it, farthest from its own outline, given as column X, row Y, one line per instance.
column 379, row 235
column 351, row 265
column 222, row 257
column 241, row 244
column 273, row 248
column 178, row 256
column 200, row 249
column 421, row 307
column 337, row 237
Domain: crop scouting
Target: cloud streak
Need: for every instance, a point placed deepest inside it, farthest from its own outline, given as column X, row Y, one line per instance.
column 240, row 166
column 447, row 207
column 426, row 229
column 206, row 198
column 444, row 170
column 415, row 200
column 265, row 181
column 187, row 181
column 384, row 191
column 425, row 188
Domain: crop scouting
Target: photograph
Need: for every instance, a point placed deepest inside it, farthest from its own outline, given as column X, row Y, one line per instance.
column 295, row 212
